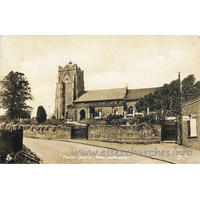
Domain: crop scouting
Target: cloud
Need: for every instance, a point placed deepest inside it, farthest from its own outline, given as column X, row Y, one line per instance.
column 114, row 79
column 42, row 75
column 175, row 53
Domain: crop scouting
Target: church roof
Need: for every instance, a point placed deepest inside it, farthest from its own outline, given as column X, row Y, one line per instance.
column 114, row 94
column 102, row 95
column 134, row 94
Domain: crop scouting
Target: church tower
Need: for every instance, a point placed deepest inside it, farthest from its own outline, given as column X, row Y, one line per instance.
column 70, row 85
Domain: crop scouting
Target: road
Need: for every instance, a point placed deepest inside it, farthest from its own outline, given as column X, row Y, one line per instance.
column 59, row 152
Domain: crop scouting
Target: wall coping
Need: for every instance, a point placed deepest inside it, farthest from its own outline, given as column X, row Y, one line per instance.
column 191, row 102
column 4, row 126
column 119, row 125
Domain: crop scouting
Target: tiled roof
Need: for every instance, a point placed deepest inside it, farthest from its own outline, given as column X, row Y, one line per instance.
column 134, row 94
column 102, row 95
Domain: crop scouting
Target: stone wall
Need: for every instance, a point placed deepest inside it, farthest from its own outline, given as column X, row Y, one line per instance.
column 47, row 132
column 40, row 131
column 105, row 110
column 127, row 134
column 187, row 110
column 107, row 107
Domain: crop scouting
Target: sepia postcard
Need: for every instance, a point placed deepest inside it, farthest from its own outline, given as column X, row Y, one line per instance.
column 100, row 99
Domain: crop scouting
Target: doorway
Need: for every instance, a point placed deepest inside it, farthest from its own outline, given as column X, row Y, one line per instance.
column 82, row 114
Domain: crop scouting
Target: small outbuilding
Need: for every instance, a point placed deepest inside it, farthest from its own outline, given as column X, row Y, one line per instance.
column 191, row 124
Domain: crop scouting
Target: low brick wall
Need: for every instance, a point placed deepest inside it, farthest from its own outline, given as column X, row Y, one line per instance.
column 126, row 134
column 47, row 132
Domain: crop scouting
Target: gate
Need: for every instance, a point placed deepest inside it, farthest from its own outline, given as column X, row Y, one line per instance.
column 80, row 132
column 169, row 131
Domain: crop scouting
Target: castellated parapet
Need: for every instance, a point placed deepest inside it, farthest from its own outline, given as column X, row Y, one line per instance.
column 70, row 84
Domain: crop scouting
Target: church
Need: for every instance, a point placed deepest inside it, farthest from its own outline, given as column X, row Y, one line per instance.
column 74, row 103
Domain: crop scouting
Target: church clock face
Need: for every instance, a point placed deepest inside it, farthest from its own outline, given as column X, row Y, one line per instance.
column 67, row 79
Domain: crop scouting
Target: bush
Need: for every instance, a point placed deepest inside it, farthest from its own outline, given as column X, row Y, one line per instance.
column 41, row 115
column 122, row 121
column 118, row 119
column 109, row 118
column 114, row 119
column 4, row 118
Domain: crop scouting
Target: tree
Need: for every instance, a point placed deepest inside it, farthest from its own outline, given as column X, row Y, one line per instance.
column 165, row 99
column 188, row 88
column 41, row 115
column 15, row 91
column 173, row 97
column 197, row 89
column 140, row 105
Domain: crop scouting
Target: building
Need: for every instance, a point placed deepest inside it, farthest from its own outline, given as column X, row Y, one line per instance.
column 73, row 102
column 191, row 124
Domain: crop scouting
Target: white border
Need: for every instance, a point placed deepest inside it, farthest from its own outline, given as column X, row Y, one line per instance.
column 99, row 18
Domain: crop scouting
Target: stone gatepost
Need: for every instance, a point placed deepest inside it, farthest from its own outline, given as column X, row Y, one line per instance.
column 125, row 114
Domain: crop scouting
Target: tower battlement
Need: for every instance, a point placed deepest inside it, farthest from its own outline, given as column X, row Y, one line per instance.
column 69, row 67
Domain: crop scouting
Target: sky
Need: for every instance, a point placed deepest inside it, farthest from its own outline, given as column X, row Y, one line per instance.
column 108, row 61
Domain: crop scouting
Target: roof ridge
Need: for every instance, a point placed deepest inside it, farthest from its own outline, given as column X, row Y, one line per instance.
column 144, row 88
column 191, row 101
column 123, row 88
column 105, row 89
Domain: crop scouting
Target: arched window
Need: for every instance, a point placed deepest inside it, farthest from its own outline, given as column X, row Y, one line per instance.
column 115, row 111
column 92, row 112
column 100, row 113
column 130, row 110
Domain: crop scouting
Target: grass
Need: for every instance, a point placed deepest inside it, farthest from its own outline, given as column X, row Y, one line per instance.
column 57, row 122
column 93, row 121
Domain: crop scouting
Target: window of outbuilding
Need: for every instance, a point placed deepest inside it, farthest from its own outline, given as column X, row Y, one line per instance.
column 192, row 128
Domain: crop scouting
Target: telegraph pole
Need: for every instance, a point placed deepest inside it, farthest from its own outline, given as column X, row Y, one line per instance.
column 49, row 112
column 179, row 112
